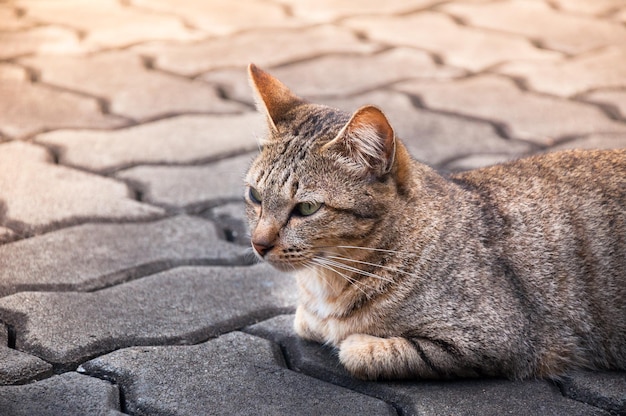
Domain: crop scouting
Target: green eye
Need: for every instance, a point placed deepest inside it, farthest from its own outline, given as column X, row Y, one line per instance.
column 308, row 208
column 254, row 195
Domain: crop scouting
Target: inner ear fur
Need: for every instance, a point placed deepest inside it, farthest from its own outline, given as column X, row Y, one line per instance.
column 273, row 97
column 367, row 141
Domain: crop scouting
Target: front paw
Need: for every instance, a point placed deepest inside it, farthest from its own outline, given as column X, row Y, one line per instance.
column 370, row 358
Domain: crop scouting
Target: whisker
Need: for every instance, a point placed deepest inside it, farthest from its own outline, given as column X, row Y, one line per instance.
column 349, row 279
column 349, row 268
column 393, row 269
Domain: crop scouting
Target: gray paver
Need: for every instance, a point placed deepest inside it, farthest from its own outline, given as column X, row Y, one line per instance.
column 233, row 220
column 43, row 39
column 181, row 139
column 463, row 397
column 605, row 390
column 247, row 376
column 595, row 141
column 68, row 394
column 603, row 69
column 536, row 20
column 527, row 116
column 92, row 256
column 264, row 48
column 182, row 305
column 18, row 367
column 430, row 137
column 11, row 19
column 131, row 89
column 614, row 98
column 477, row 51
column 328, row 10
column 25, row 106
column 184, row 186
column 596, row 7
column 107, row 23
column 351, row 74
column 39, row 195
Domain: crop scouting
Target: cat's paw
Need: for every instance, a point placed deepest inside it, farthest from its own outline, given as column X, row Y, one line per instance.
column 370, row 358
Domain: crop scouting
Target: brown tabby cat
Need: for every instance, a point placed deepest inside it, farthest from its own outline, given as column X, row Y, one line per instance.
column 515, row 270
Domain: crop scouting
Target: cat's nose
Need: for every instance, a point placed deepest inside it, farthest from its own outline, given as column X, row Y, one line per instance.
column 262, row 247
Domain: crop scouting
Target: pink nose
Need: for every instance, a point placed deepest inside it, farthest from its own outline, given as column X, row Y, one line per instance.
column 262, row 248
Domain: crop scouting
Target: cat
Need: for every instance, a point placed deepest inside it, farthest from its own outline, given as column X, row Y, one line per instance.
column 516, row 270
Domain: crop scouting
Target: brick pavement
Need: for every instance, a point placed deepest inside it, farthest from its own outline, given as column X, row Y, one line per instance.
column 126, row 284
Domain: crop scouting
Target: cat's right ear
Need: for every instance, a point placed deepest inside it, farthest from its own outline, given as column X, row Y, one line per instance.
column 274, row 99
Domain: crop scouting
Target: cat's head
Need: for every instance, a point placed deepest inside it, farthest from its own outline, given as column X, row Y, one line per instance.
column 323, row 180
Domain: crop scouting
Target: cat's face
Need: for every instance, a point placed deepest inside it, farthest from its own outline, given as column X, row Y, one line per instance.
column 321, row 181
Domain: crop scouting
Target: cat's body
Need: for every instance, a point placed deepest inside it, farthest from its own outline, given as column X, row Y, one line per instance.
column 516, row 270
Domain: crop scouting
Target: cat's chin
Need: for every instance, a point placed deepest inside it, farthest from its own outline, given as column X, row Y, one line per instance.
column 283, row 266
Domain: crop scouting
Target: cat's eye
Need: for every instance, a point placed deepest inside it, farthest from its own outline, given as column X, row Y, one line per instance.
column 254, row 195
column 308, row 208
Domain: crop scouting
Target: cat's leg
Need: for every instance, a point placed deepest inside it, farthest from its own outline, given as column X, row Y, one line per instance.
column 368, row 357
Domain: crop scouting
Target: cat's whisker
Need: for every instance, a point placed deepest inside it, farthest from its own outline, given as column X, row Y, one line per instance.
column 393, row 269
column 349, row 279
column 352, row 269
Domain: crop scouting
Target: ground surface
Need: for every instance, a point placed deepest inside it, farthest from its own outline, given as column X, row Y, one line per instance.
column 126, row 285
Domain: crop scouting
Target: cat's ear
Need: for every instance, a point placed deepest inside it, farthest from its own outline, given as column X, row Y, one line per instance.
column 367, row 141
column 273, row 97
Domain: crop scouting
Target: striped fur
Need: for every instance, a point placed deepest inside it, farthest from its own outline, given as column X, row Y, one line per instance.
column 517, row 270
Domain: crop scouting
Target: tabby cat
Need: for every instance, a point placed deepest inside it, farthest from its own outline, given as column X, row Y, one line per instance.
column 515, row 270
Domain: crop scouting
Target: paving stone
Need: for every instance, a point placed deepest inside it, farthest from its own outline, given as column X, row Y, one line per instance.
column 183, row 305
column 595, row 141
column 430, row 137
column 11, row 19
column 476, row 161
column 457, row 45
column 107, row 23
column 462, row 397
column 540, row 119
column 181, row 139
column 91, row 256
column 39, row 195
column 18, row 367
column 42, row 39
column 534, row 19
column 69, row 394
column 606, row 390
column 247, row 376
column 6, row 234
column 614, row 98
column 25, row 107
column 603, row 69
column 232, row 219
column 329, row 10
column 265, row 48
column 184, row 186
column 596, row 7
column 131, row 89
column 351, row 73
column 224, row 17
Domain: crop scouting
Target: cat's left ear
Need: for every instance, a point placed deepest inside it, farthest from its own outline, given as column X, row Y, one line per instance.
column 367, row 141
column 274, row 98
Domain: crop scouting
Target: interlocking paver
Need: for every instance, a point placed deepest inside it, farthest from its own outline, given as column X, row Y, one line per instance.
column 430, row 137
column 484, row 397
column 224, row 17
column 181, row 139
column 476, row 161
column 232, row 219
column 41, row 39
column 605, row 390
column 6, row 234
column 131, row 89
column 351, row 74
column 596, row 7
column 536, row 20
column 25, row 106
column 108, row 23
column 595, row 141
column 527, row 116
column 11, row 19
column 69, row 394
column 18, row 367
column 181, row 385
column 188, row 185
column 478, row 50
column 614, row 98
column 38, row 194
column 105, row 254
column 602, row 69
column 264, row 48
column 328, row 10
column 181, row 305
